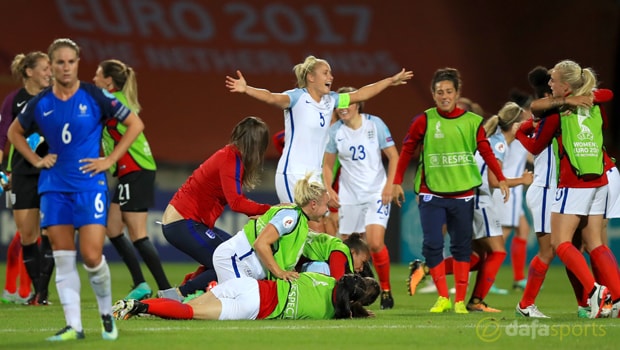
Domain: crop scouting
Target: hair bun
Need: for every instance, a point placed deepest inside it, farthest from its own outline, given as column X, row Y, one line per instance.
column 538, row 76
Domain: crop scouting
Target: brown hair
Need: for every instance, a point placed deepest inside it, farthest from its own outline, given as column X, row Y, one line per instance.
column 449, row 74
column 251, row 137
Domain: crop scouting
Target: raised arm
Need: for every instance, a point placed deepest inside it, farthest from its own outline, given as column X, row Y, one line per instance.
column 239, row 85
column 371, row 90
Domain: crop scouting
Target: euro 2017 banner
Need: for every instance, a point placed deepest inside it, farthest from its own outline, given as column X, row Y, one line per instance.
column 182, row 51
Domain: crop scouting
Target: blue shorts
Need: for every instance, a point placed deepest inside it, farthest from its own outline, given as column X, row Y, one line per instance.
column 74, row 208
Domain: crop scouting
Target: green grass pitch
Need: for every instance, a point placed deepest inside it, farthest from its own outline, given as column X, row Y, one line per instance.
column 408, row 326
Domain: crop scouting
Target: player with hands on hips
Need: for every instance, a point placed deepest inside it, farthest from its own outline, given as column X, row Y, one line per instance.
column 73, row 187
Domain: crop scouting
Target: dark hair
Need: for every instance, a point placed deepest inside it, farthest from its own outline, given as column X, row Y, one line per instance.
column 352, row 293
column 251, row 137
column 449, row 74
column 539, row 81
column 355, row 242
column 522, row 98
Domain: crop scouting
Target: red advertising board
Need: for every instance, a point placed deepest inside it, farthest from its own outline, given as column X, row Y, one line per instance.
column 183, row 49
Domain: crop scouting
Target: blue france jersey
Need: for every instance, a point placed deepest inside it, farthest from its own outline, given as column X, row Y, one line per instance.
column 72, row 128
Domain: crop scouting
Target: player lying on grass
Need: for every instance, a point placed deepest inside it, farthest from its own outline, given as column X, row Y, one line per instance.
column 311, row 296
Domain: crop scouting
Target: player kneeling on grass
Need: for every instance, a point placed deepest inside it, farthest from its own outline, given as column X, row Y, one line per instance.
column 311, row 296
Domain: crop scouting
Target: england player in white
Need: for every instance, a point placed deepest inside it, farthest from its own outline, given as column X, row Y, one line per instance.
column 307, row 116
column 512, row 212
column 365, row 191
column 488, row 240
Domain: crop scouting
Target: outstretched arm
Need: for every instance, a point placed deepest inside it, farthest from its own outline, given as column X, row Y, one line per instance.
column 240, row 85
column 368, row 91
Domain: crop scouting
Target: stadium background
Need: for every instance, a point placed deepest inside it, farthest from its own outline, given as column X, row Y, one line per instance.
column 183, row 49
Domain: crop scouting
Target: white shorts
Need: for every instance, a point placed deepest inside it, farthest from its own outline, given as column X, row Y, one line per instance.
column 580, row 201
column 235, row 258
column 613, row 194
column 513, row 209
column 285, row 184
column 539, row 200
column 486, row 222
column 240, row 298
column 355, row 218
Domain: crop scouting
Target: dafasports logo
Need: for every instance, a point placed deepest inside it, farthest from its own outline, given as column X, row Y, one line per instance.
column 490, row 330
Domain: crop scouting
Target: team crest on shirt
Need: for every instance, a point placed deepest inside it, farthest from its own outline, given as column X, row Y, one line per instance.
column 438, row 133
column 500, row 147
column 371, row 134
column 83, row 109
column 210, row 233
column 288, row 222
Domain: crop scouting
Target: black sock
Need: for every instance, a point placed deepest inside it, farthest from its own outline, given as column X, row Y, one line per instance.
column 125, row 250
column 151, row 259
column 47, row 266
column 30, row 254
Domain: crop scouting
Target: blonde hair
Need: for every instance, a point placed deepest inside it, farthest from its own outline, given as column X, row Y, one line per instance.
column 504, row 119
column 581, row 80
column 307, row 190
column 302, row 69
column 63, row 42
column 22, row 62
column 124, row 79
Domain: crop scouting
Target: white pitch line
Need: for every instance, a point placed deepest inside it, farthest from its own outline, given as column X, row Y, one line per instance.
column 295, row 327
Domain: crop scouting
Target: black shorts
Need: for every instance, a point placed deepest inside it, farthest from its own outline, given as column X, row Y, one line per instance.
column 135, row 191
column 24, row 190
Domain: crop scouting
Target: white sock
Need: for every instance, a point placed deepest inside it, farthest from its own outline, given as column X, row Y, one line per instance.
column 101, row 282
column 68, row 287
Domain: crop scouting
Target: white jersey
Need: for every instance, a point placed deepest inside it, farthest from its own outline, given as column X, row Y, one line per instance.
column 306, row 123
column 483, row 194
column 545, row 169
column 514, row 160
column 512, row 167
column 362, row 174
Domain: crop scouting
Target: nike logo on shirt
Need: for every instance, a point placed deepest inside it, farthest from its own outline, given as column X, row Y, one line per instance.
column 20, row 104
column 45, row 114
